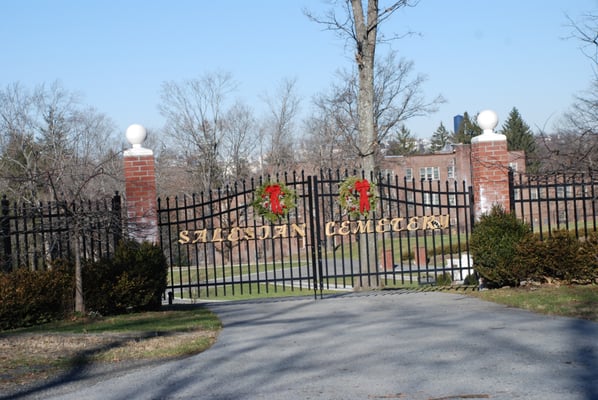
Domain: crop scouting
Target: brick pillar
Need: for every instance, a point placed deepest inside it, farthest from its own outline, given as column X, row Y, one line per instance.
column 140, row 188
column 489, row 166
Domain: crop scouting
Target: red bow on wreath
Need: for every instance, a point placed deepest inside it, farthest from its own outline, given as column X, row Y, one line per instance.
column 362, row 187
column 274, row 191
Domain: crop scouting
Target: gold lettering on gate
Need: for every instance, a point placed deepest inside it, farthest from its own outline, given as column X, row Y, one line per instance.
column 361, row 227
column 383, row 225
column 331, row 228
column 345, row 228
column 413, row 224
column 184, row 237
column 265, row 230
column 235, row 234
column 444, row 221
column 396, row 224
column 298, row 230
column 280, row 231
column 249, row 234
column 200, row 236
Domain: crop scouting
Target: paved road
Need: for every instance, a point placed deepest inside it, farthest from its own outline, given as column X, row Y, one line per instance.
column 389, row 345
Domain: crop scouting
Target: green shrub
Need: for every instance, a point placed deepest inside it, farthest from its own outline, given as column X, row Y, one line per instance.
column 34, row 297
column 588, row 258
column 471, row 280
column 134, row 279
column 529, row 260
column 444, row 279
column 146, row 268
column 98, row 280
column 493, row 246
column 560, row 256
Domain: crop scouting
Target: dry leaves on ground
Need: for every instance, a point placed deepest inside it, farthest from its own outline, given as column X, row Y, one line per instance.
column 29, row 358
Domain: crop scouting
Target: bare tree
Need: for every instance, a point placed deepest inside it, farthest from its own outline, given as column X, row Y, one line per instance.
column 239, row 142
column 574, row 145
column 360, row 27
column 174, row 175
column 398, row 97
column 279, row 127
column 332, row 127
column 586, row 32
column 325, row 145
column 52, row 146
column 55, row 149
column 19, row 166
column 194, row 110
column 573, row 148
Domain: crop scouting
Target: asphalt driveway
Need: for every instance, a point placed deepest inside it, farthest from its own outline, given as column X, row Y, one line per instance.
column 383, row 345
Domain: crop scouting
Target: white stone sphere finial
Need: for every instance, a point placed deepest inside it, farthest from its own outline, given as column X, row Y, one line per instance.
column 136, row 135
column 487, row 120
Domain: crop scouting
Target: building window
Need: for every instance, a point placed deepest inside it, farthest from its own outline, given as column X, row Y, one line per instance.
column 431, row 198
column 410, row 205
column 562, row 191
column 429, row 173
column 452, row 199
column 450, row 172
column 427, row 200
column 388, row 173
column 409, row 173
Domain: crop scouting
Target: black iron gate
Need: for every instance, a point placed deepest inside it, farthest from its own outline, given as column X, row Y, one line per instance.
column 217, row 244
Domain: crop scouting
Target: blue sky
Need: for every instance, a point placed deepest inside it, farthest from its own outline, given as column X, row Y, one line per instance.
column 478, row 54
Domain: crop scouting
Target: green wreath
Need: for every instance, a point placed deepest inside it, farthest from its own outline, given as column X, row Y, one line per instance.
column 273, row 201
column 351, row 196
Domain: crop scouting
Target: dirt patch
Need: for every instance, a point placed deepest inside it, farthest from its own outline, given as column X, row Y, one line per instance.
column 27, row 359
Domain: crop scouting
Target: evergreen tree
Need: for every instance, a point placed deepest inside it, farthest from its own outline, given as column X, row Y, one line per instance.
column 440, row 138
column 520, row 137
column 467, row 130
column 403, row 144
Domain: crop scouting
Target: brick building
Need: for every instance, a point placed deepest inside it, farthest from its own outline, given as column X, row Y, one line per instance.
column 451, row 165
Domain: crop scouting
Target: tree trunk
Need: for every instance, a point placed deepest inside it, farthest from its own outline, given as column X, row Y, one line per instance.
column 365, row 32
column 79, row 302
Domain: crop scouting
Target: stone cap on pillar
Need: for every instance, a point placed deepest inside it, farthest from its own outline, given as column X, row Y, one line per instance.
column 136, row 135
column 487, row 120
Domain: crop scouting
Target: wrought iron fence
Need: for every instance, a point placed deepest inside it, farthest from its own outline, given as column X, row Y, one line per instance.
column 216, row 244
column 32, row 235
column 559, row 201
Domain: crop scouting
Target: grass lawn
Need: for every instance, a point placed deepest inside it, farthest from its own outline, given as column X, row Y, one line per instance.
column 577, row 301
column 42, row 352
